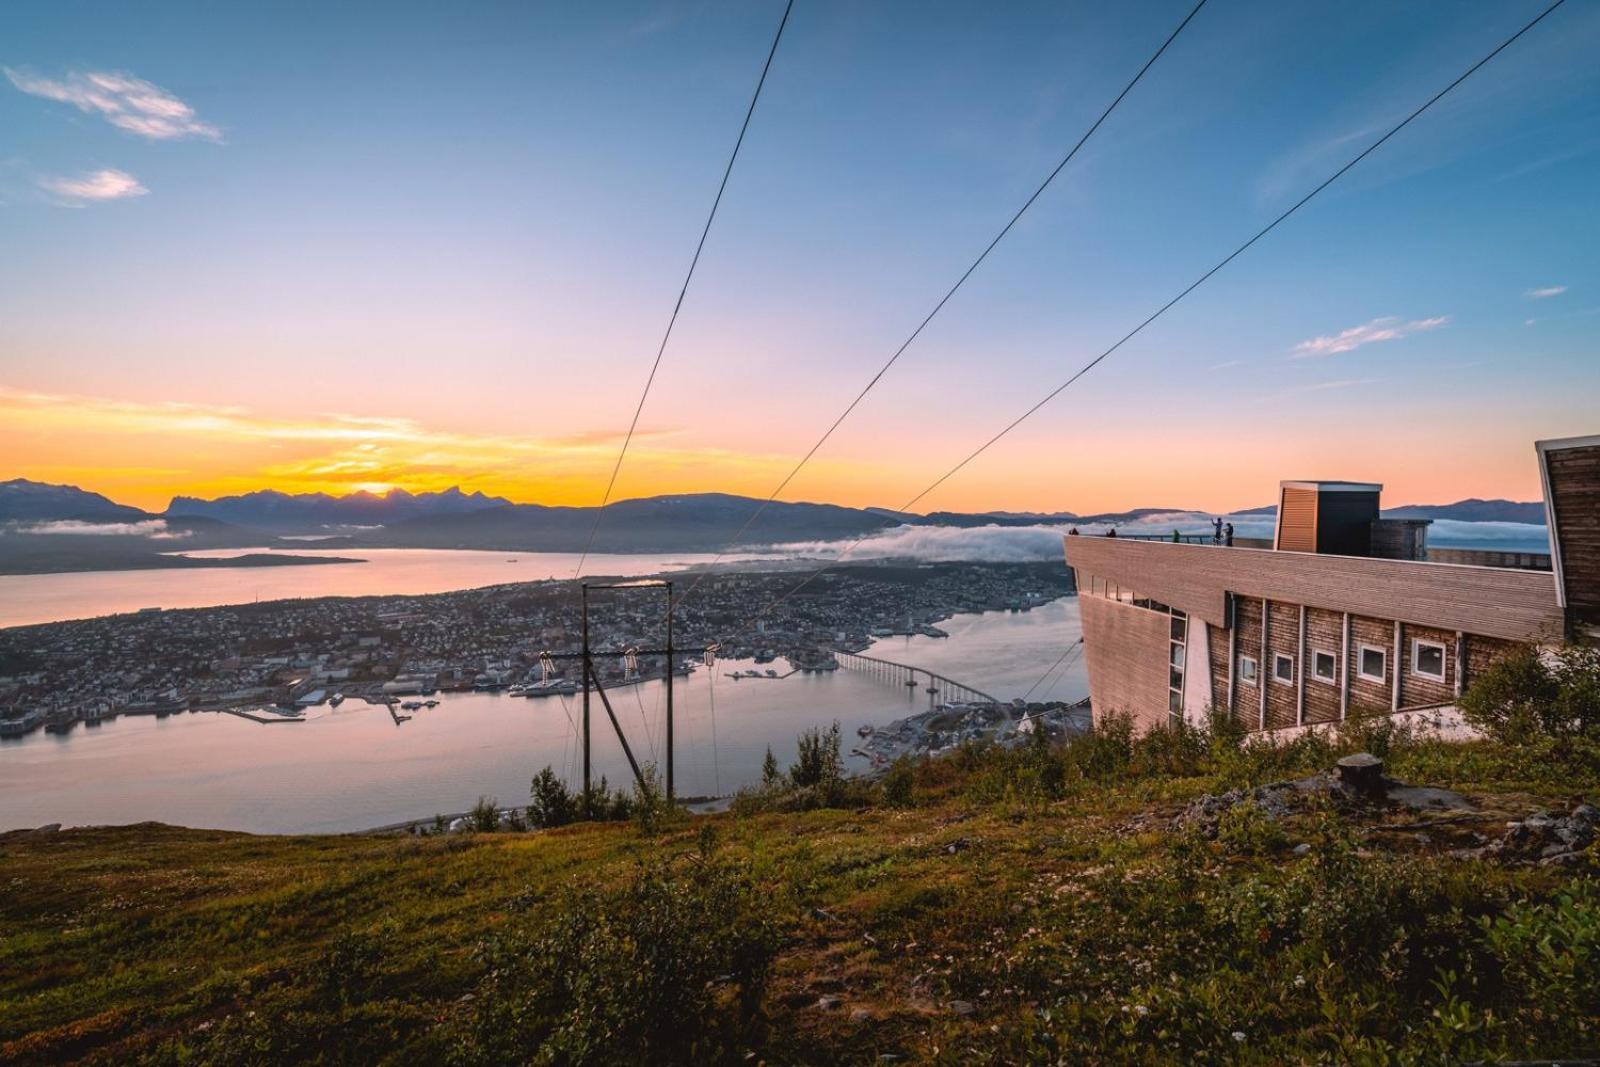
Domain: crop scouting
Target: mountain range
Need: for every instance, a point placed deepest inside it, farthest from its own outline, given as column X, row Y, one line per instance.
column 269, row 509
column 62, row 527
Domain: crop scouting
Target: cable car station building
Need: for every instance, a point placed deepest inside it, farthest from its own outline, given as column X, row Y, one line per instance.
column 1345, row 614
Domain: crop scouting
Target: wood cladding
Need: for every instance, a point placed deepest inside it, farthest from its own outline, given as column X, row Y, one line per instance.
column 1217, row 643
column 1324, row 633
column 1573, row 476
column 1513, row 605
column 1418, row 690
column 1283, row 639
column 1297, row 520
column 1126, row 651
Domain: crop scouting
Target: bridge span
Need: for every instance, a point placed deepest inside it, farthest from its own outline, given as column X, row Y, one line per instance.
column 937, row 686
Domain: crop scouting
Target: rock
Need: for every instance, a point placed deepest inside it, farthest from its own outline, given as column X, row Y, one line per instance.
column 48, row 828
column 1302, row 849
column 829, row 1003
column 1361, row 773
column 961, row 1007
column 958, row 845
column 860, row 1015
column 1546, row 839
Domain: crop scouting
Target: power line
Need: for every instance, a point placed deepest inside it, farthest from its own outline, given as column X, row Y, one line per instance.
column 683, row 291
column 873, row 381
column 1051, row 669
column 1229, row 258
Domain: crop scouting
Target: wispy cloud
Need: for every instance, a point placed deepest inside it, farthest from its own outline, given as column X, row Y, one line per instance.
column 126, row 102
column 1225, row 365
column 106, row 184
column 1546, row 293
column 1388, row 328
column 231, row 449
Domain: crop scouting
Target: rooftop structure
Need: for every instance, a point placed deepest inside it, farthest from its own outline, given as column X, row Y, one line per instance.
column 1347, row 614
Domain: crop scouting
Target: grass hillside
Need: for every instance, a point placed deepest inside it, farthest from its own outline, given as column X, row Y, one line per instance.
column 1056, row 904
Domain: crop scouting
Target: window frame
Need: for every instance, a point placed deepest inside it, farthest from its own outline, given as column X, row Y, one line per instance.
column 1277, row 658
column 1331, row 679
column 1254, row 676
column 1417, row 644
column 1361, row 664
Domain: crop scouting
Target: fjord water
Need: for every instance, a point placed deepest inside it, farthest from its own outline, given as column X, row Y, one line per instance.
column 353, row 767
column 33, row 598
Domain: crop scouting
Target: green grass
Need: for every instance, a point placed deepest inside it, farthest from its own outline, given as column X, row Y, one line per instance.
column 1041, row 890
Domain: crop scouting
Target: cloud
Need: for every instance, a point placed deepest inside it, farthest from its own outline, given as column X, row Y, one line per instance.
column 230, row 449
column 1388, row 328
column 1043, row 544
column 1225, row 365
column 1545, row 293
column 107, row 184
column 126, row 102
column 1318, row 387
column 155, row 528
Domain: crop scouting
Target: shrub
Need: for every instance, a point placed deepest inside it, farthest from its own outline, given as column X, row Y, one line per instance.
column 898, row 783
column 1522, row 699
column 1549, row 953
column 817, row 758
column 668, row 968
column 551, row 802
column 484, row 818
column 649, row 804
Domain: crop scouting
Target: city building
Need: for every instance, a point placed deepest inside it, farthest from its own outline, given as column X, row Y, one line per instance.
column 1344, row 614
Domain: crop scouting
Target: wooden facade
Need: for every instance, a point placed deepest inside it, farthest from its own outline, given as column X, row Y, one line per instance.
column 1296, row 638
column 1571, row 472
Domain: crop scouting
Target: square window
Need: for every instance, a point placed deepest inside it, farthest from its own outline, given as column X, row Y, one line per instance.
column 1324, row 666
column 1283, row 668
column 1374, row 663
column 1175, row 678
column 1174, row 700
column 1177, row 655
column 1247, row 670
column 1427, row 660
column 1180, row 627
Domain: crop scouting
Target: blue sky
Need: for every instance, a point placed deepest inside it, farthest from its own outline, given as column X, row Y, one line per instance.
column 468, row 225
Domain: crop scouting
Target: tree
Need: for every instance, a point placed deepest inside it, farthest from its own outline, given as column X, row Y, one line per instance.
column 771, row 776
column 552, row 804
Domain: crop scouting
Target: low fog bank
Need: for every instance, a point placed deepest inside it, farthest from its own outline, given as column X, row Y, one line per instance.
column 1031, row 544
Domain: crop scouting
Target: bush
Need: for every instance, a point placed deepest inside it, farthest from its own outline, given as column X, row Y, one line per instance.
column 670, row 968
column 1522, row 699
column 898, row 783
column 817, row 758
column 484, row 818
column 551, row 802
column 1549, row 953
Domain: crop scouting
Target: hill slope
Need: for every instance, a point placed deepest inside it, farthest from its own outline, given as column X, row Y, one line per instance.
column 1021, row 909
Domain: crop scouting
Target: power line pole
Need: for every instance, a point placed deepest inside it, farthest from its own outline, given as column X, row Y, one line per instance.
column 587, row 670
column 670, row 664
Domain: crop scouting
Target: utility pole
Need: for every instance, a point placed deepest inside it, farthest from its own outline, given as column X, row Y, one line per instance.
column 588, row 670
column 669, row 694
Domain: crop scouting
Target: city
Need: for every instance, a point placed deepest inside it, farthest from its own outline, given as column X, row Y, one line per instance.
column 282, row 655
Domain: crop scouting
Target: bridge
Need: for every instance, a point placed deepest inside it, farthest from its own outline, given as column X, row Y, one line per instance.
column 935, row 685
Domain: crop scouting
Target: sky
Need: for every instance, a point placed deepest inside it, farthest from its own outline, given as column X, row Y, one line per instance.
column 361, row 246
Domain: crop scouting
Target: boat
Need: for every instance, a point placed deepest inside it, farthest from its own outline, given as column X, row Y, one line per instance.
column 412, row 705
column 335, row 700
column 430, row 703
